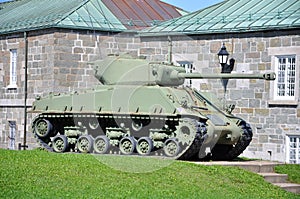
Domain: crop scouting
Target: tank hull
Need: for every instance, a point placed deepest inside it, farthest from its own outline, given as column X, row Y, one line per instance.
column 178, row 123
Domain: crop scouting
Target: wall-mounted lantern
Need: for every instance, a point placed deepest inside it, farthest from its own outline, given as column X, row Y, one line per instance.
column 223, row 55
column 223, row 59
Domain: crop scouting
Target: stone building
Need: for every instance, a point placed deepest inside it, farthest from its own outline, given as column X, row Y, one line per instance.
column 53, row 40
column 261, row 36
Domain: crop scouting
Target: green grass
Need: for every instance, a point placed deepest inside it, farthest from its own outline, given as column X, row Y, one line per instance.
column 39, row 174
column 293, row 171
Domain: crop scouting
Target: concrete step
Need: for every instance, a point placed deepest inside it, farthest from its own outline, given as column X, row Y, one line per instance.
column 291, row 187
column 253, row 166
column 259, row 168
column 274, row 177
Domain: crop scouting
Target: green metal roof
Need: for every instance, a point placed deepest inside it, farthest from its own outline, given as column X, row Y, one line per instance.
column 37, row 14
column 94, row 15
column 233, row 16
column 104, row 15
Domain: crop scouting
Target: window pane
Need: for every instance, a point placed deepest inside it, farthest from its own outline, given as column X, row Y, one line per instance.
column 281, row 77
column 291, row 77
column 292, row 142
column 292, row 154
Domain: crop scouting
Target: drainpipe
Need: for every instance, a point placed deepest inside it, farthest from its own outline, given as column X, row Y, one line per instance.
column 170, row 50
column 25, row 91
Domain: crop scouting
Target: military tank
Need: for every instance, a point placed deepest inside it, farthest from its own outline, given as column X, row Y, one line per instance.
column 142, row 108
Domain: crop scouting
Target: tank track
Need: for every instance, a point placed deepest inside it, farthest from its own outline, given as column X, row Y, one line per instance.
column 167, row 134
column 43, row 144
column 225, row 152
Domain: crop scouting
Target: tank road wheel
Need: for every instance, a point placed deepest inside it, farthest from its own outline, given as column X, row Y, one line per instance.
column 144, row 146
column 171, row 147
column 60, row 143
column 43, row 128
column 101, row 144
column 127, row 145
column 85, row 144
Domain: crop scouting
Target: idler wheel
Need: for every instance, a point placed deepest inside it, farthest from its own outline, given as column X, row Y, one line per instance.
column 60, row 143
column 127, row 145
column 43, row 128
column 171, row 147
column 101, row 144
column 85, row 144
column 144, row 146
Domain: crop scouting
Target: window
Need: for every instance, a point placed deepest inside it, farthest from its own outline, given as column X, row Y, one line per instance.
column 188, row 66
column 12, row 135
column 293, row 149
column 285, row 85
column 13, row 69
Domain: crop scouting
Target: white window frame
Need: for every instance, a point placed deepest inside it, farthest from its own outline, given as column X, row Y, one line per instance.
column 276, row 52
column 285, row 73
column 293, row 149
column 13, row 69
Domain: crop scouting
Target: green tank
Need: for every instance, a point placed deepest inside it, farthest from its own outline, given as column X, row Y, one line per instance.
column 142, row 108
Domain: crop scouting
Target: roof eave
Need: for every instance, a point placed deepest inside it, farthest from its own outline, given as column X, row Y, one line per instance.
column 241, row 30
column 20, row 30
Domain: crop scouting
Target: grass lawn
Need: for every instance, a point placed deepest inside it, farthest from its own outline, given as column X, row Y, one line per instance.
column 293, row 171
column 39, row 174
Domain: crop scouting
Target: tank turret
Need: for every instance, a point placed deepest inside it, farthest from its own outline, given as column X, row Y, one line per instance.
column 111, row 71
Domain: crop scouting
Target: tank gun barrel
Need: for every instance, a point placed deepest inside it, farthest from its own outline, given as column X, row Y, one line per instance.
column 265, row 76
column 175, row 76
